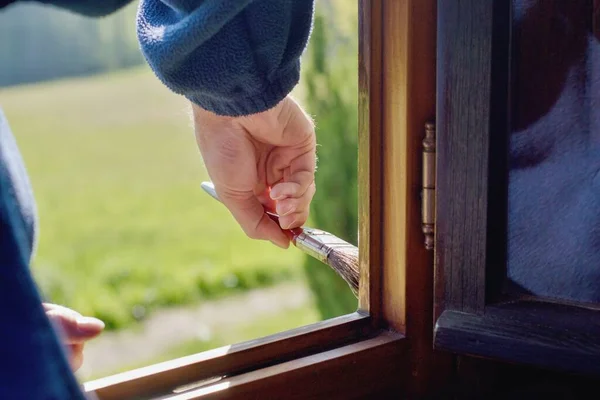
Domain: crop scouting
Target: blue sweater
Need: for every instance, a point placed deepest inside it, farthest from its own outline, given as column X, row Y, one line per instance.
column 232, row 57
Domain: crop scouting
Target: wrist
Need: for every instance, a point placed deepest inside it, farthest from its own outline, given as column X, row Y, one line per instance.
column 269, row 95
column 266, row 118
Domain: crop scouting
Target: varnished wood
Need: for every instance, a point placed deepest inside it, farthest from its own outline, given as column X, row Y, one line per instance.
column 478, row 378
column 409, row 53
column 596, row 19
column 275, row 349
column 341, row 359
column 370, row 156
column 497, row 181
column 359, row 371
column 233, row 359
column 463, row 133
column 473, row 115
column 564, row 338
column 398, row 172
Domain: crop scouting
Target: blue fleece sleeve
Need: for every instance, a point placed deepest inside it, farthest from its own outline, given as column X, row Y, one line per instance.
column 232, row 57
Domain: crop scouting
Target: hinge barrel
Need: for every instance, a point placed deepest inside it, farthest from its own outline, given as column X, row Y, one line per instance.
column 428, row 190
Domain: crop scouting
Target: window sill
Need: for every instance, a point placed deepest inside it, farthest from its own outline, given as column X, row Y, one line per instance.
column 234, row 360
column 366, row 368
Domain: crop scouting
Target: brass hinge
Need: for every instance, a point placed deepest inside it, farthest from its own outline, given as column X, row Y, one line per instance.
column 428, row 189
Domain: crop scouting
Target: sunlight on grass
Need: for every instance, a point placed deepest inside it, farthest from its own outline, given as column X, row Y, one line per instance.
column 124, row 225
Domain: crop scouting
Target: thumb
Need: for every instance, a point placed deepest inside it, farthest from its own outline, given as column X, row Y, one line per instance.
column 250, row 215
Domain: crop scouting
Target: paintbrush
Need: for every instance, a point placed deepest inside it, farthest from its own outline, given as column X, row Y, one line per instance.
column 338, row 254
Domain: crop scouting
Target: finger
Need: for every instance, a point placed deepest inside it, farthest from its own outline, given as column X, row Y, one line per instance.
column 286, row 207
column 75, row 356
column 284, row 190
column 89, row 327
column 299, row 205
column 301, row 169
column 293, row 136
column 290, row 205
column 293, row 164
column 294, row 220
column 74, row 327
column 49, row 306
column 62, row 309
column 250, row 215
column 293, row 213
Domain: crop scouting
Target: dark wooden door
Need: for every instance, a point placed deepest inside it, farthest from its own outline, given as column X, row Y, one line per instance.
column 517, row 249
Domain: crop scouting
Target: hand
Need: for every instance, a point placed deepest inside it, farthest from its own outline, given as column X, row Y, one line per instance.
column 74, row 329
column 261, row 161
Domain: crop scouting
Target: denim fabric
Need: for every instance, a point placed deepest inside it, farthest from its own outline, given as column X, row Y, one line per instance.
column 32, row 361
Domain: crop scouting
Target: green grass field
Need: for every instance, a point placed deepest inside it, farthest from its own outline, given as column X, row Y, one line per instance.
column 124, row 225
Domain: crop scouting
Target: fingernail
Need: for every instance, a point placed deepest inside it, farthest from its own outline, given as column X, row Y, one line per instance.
column 89, row 324
column 285, row 211
column 275, row 195
column 289, row 226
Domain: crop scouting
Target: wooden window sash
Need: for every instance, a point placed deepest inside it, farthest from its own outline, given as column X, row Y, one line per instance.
column 473, row 316
column 315, row 338
column 350, row 372
column 234, row 359
column 365, row 352
column 530, row 332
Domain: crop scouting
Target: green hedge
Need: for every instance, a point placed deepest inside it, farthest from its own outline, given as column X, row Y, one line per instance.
column 331, row 84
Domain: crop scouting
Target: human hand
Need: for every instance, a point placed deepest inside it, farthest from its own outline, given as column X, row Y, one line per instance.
column 74, row 330
column 261, row 161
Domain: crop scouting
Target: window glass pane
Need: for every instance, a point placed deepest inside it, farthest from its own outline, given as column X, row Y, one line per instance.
column 126, row 233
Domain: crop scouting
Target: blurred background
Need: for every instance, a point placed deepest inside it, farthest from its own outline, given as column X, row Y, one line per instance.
column 126, row 233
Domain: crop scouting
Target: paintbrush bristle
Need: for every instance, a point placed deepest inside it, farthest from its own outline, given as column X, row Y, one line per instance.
column 345, row 263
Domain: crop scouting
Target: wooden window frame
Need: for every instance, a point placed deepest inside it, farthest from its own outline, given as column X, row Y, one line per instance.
column 364, row 353
column 473, row 316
